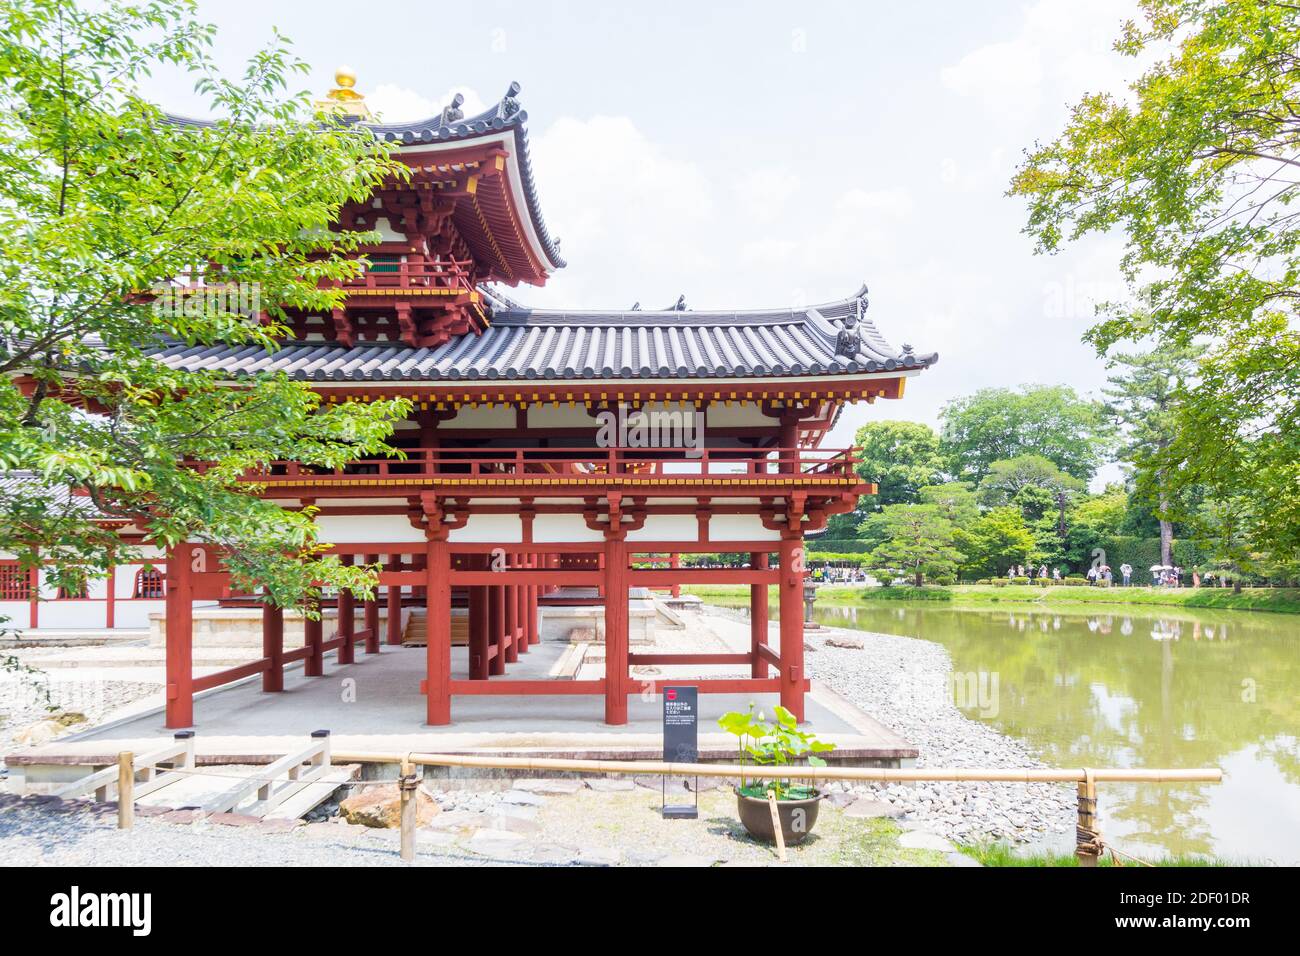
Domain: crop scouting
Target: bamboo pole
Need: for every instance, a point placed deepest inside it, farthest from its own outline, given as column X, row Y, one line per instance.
column 125, row 790
column 407, row 785
column 777, row 832
column 1087, row 837
column 874, row 774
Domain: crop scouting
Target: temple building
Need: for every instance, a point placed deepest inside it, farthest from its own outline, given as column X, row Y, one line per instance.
column 553, row 459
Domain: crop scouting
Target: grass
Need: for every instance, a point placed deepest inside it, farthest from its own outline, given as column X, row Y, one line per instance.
column 1002, row 855
column 1276, row 600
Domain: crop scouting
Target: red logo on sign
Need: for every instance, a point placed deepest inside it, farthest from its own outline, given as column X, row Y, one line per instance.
column 671, row 694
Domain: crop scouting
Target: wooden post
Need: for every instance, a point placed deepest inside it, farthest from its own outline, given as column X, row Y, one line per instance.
column 273, row 646
column 437, row 628
column 497, row 628
column 370, row 614
column 347, row 620
column 534, row 630
column 313, row 665
column 110, row 597
column 777, row 833
column 675, row 562
column 478, row 627
column 125, row 790
column 791, row 590
column 616, row 639
column 521, row 610
column 407, row 785
column 393, row 626
column 180, row 650
column 1087, row 837
column 510, row 622
column 757, row 617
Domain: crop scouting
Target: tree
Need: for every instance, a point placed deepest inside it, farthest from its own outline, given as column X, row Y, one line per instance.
column 1144, row 398
column 103, row 203
column 916, row 540
column 954, row 499
column 1007, row 482
column 1197, row 167
column 900, row 457
column 1050, row 421
column 995, row 542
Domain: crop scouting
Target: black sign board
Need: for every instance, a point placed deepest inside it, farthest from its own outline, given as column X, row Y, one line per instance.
column 681, row 742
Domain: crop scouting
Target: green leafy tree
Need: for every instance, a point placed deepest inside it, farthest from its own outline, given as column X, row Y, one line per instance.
column 103, row 199
column 1144, row 397
column 956, row 501
column 996, row 541
column 1050, row 421
column 1013, row 480
column 915, row 540
column 900, row 457
column 1196, row 167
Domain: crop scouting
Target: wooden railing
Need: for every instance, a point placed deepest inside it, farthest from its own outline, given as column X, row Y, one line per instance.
column 528, row 464
column 423, row 274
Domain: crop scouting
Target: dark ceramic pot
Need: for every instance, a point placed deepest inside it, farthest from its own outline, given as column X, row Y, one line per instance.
column 797, row 817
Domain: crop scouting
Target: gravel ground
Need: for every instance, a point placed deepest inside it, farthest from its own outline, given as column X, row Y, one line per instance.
column 47, row 833
column 906, row 684
column 23, row 702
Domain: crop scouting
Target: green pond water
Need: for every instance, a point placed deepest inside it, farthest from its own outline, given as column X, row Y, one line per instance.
column 1140, row 688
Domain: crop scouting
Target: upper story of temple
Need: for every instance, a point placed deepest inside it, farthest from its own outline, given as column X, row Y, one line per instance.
column 427, row 318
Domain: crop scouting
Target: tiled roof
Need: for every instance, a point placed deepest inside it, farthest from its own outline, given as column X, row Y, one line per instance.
column 449, row 126
column 539, row 345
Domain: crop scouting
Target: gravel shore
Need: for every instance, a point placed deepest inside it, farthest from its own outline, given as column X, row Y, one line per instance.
column 907, row 685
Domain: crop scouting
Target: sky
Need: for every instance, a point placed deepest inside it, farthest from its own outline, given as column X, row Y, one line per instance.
column 767, row 154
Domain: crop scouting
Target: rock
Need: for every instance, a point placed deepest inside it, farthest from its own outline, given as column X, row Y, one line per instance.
column 381, row 807
column 458, row 820
column 522, row 798
column 961, row 859
column 848, row 643
column 69, row 718
column 649, row 781
column 548, row 785
column 644, row 857
column 866, row 808
column 41, row 732
column 707, row 783
column 921, row 840
column 500, row 820
column 552, row 854
column 487, row 840
column 840, row 798
column 597, row 856
column 610, row 784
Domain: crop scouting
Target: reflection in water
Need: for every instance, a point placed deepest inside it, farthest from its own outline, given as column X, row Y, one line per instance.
column 1160, row 689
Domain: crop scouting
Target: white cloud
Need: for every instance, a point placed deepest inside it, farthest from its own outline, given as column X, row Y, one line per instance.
column 396, row 104
column 1062, row 50
column 765, row 193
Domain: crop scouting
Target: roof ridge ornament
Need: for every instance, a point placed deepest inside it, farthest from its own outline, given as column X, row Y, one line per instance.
column 679, row 305
column 452, row 111
column 509, row 103
column 849, row 342
column 343, row 97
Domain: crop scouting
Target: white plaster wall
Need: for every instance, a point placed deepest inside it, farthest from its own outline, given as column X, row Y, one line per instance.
column 73, row 614
column 560, row 528
column 667, row 528
column 740, row 528
column 489, row 529
column 17, row 612
column 560, row 416
column 737, row 415
column 136, row 613
column 358, row 529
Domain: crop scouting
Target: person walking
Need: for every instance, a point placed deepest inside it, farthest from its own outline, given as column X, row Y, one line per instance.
column 1126, row 570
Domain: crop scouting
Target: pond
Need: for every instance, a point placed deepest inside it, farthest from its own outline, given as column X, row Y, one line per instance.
column 1138, row 688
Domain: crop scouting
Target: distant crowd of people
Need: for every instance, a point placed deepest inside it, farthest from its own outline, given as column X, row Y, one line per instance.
column 1166, row 576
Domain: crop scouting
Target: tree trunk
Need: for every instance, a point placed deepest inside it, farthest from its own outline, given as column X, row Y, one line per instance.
column 1166, row 534
column 919, row 578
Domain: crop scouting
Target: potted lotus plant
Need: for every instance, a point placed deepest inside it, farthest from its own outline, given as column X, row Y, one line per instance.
column 776, row 750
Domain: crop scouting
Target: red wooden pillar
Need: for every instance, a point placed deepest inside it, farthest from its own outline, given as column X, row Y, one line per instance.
column 313, row 665
column 757, row 617
column 393, row 625
column 510, row 615
column 497, row 629
column 370, row 614
column 791, row 590
column 478, row 628
column 616, row 638
column 180, row 638
column 438, row 633
column 347, row 621
column 675, row 562
column 534, row 631
column 273, row 647
column 110, row 598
